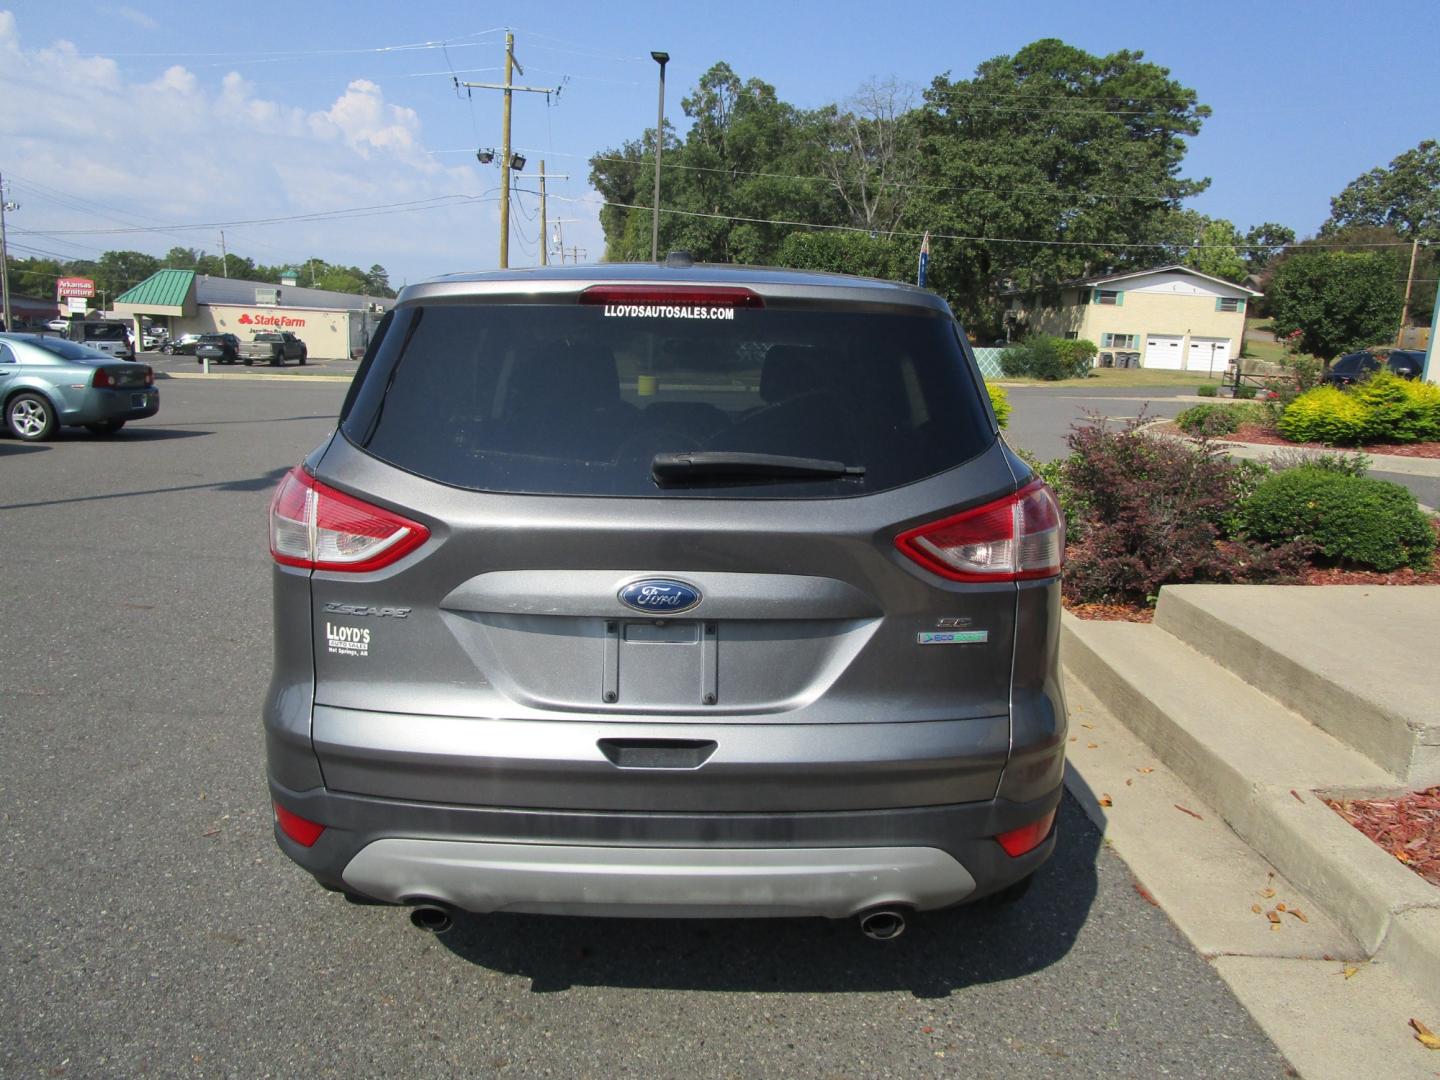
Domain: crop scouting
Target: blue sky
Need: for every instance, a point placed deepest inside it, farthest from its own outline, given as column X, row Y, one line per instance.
column 163, row 115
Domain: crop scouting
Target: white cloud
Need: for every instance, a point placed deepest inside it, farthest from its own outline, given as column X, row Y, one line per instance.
column 134, row 16
column 180, row 148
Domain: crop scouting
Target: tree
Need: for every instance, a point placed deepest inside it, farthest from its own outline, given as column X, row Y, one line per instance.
column 119, row 270
column 872, row 154
column 1405, row 196
column 1338, row 300
column 849, row 253
column 1265, row 243
column 1068, row 159
column 1216, row 250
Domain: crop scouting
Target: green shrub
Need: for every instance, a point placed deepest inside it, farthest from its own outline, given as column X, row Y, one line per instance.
column 1207, row 420
column 1080, row 353
column 1000, row 402
column 1351, row 519
column 1220, row 418
column 1349, row 464
column 1244, row 391
column 1324, row 415
column 1047, row 358
column 1206, row 391
column 1399, row 410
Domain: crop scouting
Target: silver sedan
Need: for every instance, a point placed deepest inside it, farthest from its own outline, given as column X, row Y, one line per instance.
column 48, row 382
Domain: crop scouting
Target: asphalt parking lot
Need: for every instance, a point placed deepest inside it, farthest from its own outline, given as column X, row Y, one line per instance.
column 153, row 928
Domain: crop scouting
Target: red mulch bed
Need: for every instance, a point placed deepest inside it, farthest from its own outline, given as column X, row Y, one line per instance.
column 1112, row 612
column 1408, row 828
column 1255, row 433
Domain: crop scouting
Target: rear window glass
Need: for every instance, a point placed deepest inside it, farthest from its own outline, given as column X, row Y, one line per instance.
column 104, row 332
column 565, row 400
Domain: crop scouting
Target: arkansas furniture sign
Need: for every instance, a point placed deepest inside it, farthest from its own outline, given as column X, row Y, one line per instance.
column 74, row 286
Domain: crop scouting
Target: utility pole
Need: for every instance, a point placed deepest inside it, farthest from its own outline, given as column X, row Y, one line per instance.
column 4, row 257
column 1409, row 281
column 544, row 237
column 507, row 160
column 224, row 258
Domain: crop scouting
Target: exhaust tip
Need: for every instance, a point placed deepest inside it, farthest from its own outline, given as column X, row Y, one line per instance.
column 431, row 918
column 883, row 924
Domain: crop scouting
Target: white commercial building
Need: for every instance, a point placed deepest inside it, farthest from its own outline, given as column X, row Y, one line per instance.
column 333, row 325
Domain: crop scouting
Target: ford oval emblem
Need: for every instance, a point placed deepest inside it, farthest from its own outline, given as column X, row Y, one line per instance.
column 659, row 596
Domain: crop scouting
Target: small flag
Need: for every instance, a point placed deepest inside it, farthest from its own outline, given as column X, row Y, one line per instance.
column 924, row 259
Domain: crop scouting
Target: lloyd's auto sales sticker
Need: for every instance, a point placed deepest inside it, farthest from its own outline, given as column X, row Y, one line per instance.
column 667, row 311
column 347, row 640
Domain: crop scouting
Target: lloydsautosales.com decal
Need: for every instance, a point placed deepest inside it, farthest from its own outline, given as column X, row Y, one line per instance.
column 667, row 311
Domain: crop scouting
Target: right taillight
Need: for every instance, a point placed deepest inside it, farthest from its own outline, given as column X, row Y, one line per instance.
column 1018, row 537
column 317, row 527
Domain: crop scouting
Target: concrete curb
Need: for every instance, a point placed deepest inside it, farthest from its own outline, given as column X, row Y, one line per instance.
column 237, row 377
column 1390, row 911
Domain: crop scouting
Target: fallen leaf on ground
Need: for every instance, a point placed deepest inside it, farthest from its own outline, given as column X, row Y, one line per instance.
column 1350, row 972
column 1297, row 795
column 1091, row 745
column 1256, row 908
column 1089, row 726
column 1147, row 769
column 1279, row 907
column 1424, row 1035
column 1105, row 800
column 1145, row 895
column 1128, row 781
column 1273, row 916
column 1185, row 810
column 1299, row 914
column 1267, row 893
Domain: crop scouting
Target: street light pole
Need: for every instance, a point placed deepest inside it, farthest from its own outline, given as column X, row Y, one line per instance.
column 4, row 258
column 661, row 58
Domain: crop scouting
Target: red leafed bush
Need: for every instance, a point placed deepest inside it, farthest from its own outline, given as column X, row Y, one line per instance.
column 1158, row 511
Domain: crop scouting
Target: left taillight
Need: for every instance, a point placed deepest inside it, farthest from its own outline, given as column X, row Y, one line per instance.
column 1019, row 537
column 303, row 831
column 102, row 378
column 319, row 528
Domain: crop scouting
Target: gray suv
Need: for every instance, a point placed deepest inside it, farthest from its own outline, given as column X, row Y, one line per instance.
column 666, row 590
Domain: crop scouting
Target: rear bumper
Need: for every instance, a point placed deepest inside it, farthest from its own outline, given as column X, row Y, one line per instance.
column 571, row 880
column 118, row 404
column 830, row 864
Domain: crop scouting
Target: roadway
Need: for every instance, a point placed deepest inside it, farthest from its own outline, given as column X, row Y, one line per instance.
column 152, row 927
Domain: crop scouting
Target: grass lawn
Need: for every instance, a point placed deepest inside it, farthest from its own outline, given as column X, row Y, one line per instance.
column 1101, row 378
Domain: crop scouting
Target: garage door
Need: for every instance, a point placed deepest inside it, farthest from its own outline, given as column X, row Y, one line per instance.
column 1165, row 351
column 1209, row 354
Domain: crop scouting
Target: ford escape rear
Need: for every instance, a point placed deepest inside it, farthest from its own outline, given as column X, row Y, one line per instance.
column 666, row 590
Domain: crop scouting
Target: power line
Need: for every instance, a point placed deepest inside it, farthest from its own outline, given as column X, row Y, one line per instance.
column 378, row 210
column 891, row 233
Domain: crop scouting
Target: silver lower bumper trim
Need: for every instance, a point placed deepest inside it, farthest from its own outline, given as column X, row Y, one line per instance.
column 561, row 879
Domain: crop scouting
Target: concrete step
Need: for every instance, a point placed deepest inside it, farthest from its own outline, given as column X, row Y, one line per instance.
column 1260, row 765
column 1351, row 659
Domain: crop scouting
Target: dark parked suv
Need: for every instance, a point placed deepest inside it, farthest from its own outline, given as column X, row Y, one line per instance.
column 666, row 590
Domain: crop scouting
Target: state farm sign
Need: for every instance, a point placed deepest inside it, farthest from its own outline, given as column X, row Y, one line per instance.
column 286, row 322
column 74, row 286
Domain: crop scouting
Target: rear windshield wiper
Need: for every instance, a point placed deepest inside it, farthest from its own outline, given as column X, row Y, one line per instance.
column 701, row 466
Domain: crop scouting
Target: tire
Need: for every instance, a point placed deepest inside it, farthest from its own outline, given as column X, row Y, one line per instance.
column 304, row 355
column 105, row 427
column 277, row 361
column 248, row 361
column 30, row 417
